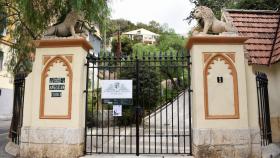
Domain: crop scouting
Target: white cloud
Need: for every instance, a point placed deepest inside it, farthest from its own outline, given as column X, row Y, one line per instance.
column 171, row 12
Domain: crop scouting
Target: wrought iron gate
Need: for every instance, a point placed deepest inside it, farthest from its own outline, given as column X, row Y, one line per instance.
column 263, row 105
column 156, row 121
column 16, row 123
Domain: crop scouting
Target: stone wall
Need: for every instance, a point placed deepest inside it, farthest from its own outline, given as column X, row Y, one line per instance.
column 226, row 143
column 51, row 142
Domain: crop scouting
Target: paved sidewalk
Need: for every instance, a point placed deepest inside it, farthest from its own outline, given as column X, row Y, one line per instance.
column 271, row 151
column 4, row 129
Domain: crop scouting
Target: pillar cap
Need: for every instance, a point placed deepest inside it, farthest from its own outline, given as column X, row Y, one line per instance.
column 215, row 39
column 56, row 43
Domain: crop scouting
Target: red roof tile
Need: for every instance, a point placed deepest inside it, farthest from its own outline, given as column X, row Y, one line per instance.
column 261, row 26
column 276, row 50
column 257, row 35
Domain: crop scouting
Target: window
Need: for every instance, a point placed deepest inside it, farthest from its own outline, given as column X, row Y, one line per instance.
column 1, row 60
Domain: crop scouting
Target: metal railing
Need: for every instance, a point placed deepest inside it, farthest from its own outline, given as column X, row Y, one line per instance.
column 16, row 124
column 263, row 108
column 160, row 81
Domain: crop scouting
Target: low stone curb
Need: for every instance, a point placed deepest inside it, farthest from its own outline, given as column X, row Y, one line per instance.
column 271, row 151
column 5, row 118
column 12, row 149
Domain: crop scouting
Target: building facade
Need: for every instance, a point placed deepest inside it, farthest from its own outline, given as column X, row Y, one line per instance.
column 262, row 27
column 6, row 81
column 143, row 35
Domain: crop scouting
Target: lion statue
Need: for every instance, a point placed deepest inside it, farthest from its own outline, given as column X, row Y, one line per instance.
column 208, row 22
column 67, row 27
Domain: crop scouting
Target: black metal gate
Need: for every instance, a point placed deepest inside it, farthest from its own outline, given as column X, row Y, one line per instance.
column 16, row 123
column 156, row 121
column 264, row 114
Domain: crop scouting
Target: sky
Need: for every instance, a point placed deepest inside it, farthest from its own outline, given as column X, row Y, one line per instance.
column 171, row 12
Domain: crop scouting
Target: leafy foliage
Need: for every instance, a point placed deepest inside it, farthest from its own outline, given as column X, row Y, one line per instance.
column 167, row 42
column 126, row 44
column 123, row 25
column 217, row 5
column 149, row 83
column 257, row 4
column 27, row 20
column 141, row 48
column 170, row 41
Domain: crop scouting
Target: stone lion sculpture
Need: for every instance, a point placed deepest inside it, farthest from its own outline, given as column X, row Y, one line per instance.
column 67, row 27
column 209, row 22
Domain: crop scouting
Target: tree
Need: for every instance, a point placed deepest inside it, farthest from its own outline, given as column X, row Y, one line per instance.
column 121, row 25
column 155, row 27
column 217, row 5
column 257, row 4
column 152, row 26
column 126, row 45
column 149, row 82
column 169, row 41
column 141, row 48
column 27, row 20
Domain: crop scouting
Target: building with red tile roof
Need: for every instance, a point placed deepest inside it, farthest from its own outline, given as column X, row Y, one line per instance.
column 262, row 50
column 262, row 27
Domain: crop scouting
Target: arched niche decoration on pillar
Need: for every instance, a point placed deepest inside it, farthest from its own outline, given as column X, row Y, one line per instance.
column 56, row 88
column 221, row 99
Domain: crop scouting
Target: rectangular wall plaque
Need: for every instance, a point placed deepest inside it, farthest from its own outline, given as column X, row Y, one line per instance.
column 117, row 110
column 116, row 89
column 56, row 89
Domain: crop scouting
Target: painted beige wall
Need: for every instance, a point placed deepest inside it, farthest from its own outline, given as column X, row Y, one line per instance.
column 216, row 104
column 33, row 82
column 198, row 89
column 6, row 78
column 252, row 96
column 273, row 74
column 223, row 137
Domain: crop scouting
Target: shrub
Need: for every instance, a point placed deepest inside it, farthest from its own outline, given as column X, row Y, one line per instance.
column 149, row 83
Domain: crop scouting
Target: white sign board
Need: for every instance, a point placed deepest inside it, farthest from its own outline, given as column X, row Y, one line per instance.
column 116, row 89
column 117, row 110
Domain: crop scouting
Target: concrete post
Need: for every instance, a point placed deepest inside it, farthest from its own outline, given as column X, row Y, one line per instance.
column 223, row 125
column 54, row 113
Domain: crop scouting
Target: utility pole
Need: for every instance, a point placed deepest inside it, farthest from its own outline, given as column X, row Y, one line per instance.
column 104, row 42
column 119, row 46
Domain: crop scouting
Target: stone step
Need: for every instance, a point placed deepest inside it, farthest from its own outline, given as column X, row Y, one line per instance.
column 145, row 149
column 146, row 131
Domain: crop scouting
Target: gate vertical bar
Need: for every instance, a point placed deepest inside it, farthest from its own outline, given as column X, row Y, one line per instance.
column 263, row 108
column 137, row 106
column 18, row 103
column 86, row 106
column 268, row 114
column 189, row 93
column 259, row 108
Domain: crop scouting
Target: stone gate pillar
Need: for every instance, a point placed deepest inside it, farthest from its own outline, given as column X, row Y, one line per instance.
column 225, row 122
column 54, row 113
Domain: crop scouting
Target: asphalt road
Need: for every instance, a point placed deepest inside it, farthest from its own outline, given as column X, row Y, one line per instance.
column 4, row 128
